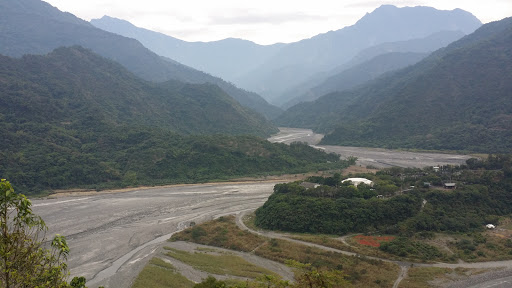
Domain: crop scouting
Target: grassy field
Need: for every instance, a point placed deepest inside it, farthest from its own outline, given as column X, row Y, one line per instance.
column 160, row 274
column 219, row 264
column 424, row 277
column 223, row 232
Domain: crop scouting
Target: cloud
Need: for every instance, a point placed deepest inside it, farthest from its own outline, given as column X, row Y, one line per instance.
column 273, row 19
column 377, row 3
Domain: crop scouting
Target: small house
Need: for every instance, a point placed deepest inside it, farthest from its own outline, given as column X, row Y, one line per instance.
column 357, row 181
column 450, row 185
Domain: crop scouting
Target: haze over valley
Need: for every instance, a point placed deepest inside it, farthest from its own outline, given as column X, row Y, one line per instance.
column 388, row 137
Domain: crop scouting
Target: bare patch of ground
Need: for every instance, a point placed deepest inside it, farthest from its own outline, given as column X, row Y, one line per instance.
column 355, row 169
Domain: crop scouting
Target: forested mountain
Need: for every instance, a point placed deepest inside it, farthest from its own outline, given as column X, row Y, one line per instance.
column 75, row 119
column 458, row 98
column 306, row 91
column 229, row 58
column 427, row 44
column 71, row 84
column 35, row 27
column 359, row 74
column 298, row 61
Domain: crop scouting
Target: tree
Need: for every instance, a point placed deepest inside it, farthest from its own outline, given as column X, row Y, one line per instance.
column 25, row 262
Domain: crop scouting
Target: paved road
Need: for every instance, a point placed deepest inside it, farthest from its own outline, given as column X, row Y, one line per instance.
column 111, row 235
column 380, row 158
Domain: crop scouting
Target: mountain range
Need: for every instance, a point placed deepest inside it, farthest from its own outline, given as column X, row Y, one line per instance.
column 366, row 65
column 458, row 98
column 35, row 27
column 274, row 69
column 298, row 61
column 72, row 118
column 69, row 85
column 228, row 58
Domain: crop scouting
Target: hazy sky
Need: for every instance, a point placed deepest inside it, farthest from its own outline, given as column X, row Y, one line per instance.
column 261, row 21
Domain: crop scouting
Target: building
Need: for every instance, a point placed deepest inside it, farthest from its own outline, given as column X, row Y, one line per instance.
column 450, row 185
column 357, row 181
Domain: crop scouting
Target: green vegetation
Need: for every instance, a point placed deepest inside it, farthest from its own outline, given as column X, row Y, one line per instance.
column 458, row 98
column 405, row 247
column 25, row 258
column 36, row 27
column 480, row 197
column 218, row 264
column 332, row 210
column 75, row 89
column 72, row 119
column 160, row 274
column 477, row 247
column 419, row 277
column 221, row 233
column 358, row 270
column 424, row 277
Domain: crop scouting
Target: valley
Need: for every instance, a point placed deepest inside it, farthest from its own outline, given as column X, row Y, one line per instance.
column 112, row 235
column 169, row 162
column 372, row 157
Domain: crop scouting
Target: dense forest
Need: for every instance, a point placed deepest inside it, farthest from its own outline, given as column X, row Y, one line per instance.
column 75, row 119
column 458, row 98
column 130, row 156
column 401, row 201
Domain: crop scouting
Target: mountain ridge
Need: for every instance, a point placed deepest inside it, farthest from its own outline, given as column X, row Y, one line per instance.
column 42, row 28
column 76, row 78
column 72, row 118
column 297, row 61
column 455, row 99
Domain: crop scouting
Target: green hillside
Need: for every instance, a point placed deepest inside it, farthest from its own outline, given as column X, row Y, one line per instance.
column 359, row 74
column 75, row 119
column 458, row 99
column 35, row 27
column 72, row 85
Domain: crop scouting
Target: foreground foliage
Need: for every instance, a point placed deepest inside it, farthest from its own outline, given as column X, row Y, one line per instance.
column 24, row 260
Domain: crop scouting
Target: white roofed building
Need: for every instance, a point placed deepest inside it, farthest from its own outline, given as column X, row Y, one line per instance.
column 357, row 181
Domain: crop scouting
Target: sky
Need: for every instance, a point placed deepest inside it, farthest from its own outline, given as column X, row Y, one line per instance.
column 261, row 21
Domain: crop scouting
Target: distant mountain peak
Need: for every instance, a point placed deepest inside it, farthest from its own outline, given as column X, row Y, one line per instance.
column 387, row 15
